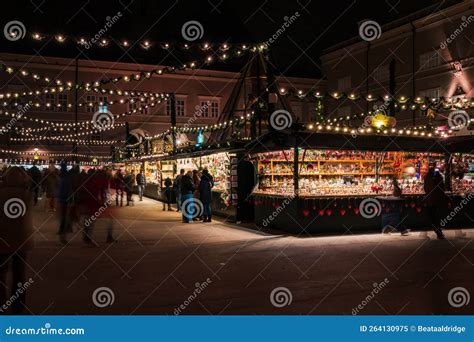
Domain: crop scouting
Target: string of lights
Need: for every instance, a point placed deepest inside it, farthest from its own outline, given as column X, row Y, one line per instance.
column 224, row 53
column 45, row 154
column 405, row 102
column 79, row 125
column 423, row 132
column 137, row 97
column 145, row 44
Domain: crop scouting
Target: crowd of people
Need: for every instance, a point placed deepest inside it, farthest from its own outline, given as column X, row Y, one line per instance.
column 193, row 191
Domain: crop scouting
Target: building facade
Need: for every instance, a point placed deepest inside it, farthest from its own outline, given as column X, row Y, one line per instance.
column 431, row 53
column 200, row 98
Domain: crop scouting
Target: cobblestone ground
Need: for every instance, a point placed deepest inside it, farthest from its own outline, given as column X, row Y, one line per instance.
column 162, row 266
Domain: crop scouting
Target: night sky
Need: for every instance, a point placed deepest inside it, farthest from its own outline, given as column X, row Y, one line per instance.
column 296, row 52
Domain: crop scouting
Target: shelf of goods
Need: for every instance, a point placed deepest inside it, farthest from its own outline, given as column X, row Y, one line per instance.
column 333, row 183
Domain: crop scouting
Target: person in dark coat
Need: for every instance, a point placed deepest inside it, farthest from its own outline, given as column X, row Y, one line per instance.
column 187, row 188
column 35, row 175
column 205, row 194
column 141, row 184
column 435, row 198
column 167, row 199
column 177, row 189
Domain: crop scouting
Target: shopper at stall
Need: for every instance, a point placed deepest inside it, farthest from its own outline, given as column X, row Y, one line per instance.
column 196, row 182
column 167, row 193
column 51, row 183
column 16, row 236
column 434, row 198
column 187, row 189
column 177, row 189
column 141, row 184
column 35, row 176
column 205, row 194
column 129, row 183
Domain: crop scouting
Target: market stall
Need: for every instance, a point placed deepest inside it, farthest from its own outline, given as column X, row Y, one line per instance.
column 222, row 165
column 315, row 182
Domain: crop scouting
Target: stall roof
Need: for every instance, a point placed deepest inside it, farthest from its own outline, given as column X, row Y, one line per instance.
column 284, row 139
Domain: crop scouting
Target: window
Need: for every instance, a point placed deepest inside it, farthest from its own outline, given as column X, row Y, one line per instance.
column 214, row 105
column 90, row 105
column 381, row 73
column 344, row 83
column 180, row 106
column 49, row 102
column 62, row 103
column 433, row 92
column 429, row 60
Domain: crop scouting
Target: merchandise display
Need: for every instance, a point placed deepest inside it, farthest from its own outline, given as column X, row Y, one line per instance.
column 329, row 173
column 219, row 166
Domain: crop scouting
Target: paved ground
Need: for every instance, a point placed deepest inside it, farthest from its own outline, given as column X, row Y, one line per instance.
column 155, row 266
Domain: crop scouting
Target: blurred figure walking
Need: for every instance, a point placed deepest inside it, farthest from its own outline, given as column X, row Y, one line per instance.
column 16, row 236
column 51, row 183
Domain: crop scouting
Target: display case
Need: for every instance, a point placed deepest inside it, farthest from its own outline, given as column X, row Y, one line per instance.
column 342, row 173
column 321, row 182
